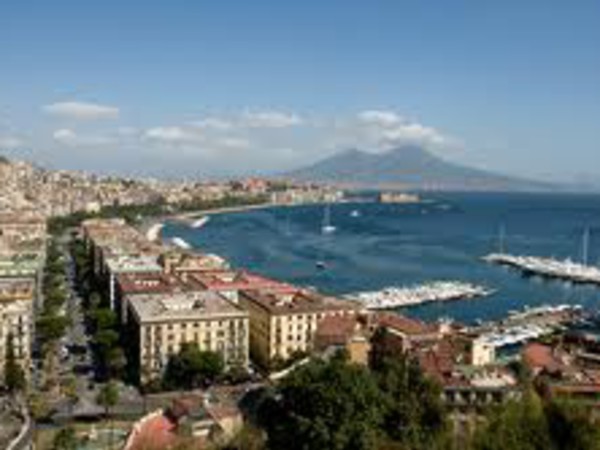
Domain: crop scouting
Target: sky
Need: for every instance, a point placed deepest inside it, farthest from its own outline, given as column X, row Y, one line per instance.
column 215, row 88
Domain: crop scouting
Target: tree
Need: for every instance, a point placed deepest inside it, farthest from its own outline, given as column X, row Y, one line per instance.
column 14, row 377
column 69, row 389
column 108, row 396
column 324, row 405
column 571, row 426
column 414, row 414
column 51, row 328
column 38, row 406
column 65, row 439
column 517, row 425
column 191, row 368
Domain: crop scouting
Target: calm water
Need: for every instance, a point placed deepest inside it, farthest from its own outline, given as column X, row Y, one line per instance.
column 389, row 245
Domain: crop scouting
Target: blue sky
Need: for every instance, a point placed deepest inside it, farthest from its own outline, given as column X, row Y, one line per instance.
column 216, row 87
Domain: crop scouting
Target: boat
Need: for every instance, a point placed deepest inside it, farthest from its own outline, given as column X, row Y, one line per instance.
column 321, row 265
column 355, row 213
column 199, row 223
column 179, row 242
column 327, row 228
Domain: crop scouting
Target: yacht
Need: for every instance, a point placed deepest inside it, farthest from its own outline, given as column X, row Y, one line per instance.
column 327, row 228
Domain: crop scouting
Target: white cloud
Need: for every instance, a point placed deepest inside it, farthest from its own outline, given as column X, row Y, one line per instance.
column 388, row 129
column 81, row 110
column 10, row 142
column 69, row 137
column 173, row 135
column 65, row 136
column 270, row 119
column 234, row 143
column 380, row 117
column 213, row 123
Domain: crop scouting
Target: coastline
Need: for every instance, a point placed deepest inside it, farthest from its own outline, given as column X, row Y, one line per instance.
column 153, row 227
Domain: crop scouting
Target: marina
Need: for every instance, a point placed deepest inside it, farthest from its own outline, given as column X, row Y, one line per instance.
column 548, row 267
column 438, row 291
column 528, row 324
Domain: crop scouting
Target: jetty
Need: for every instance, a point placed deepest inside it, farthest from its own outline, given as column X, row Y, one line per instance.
column 548, row 267
column 529, row 324
column 438, row 291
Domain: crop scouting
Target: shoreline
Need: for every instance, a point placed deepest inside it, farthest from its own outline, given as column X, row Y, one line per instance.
column 153, row 227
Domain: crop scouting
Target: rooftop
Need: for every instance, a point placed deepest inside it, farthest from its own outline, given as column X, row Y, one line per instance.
column 403, row 324
column 236, row 280
column 297, row 301
column 133, row 263
column 182, row 306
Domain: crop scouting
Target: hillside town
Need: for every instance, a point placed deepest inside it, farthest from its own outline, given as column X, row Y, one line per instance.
column 114, row 341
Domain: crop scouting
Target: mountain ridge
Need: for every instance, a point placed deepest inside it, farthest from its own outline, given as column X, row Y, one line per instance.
column 409, row 167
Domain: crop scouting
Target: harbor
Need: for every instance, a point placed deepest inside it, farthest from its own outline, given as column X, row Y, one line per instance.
column 529, row 324
column 548, row 267
column 438, row 291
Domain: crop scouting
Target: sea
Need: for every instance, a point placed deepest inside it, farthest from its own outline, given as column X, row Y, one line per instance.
column 378, row 245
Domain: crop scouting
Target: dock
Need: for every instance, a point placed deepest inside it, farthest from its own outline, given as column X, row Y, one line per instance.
column 548, row 267
column 529, row 324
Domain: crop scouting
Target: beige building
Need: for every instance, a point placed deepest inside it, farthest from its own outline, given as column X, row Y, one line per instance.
column 17, row 229
column 160, row 324
column 284, row 323
column 16, row 312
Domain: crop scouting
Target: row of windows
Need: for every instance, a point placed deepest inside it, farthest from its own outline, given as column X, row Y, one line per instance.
column 240, row 324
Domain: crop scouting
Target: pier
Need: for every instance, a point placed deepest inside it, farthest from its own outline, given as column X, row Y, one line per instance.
column 526, row 325
column 548, row 267
column 395, row 297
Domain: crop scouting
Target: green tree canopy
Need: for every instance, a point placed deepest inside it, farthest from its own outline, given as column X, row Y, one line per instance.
column 414, row 413
column 108, row 396
column 65, row 439
column 191, row 368
column 14, row 376
column 323, row 405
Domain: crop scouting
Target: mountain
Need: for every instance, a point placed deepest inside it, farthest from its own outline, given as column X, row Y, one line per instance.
column 409, row 167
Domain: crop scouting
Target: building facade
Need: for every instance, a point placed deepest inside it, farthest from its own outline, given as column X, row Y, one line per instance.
column 283, row 324
column 160, row 324
column 16, row 315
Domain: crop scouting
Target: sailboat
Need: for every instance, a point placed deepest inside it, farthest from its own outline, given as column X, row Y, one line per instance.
column 501, row 239
column 327, row 228
column 585, row 246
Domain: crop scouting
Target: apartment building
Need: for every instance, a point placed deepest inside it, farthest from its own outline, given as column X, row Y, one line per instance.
column 16, row 314
column 159, row 324
column 283, row 323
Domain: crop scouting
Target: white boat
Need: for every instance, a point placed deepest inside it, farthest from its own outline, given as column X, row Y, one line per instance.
column 355, row 213
column 199, row 223
column 327, row 228
column 179, row 242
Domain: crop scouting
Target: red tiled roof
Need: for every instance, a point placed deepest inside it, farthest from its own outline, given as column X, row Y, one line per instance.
column 231, row 280
column 156, row 433
column 540, row 356
column 403, row 324
column 335, row 330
